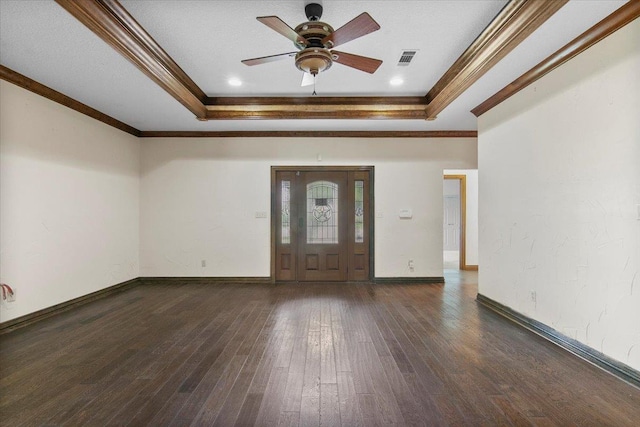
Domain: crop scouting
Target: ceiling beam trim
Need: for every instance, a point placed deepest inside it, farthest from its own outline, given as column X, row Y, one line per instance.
column 416, row 101
column 517, row 20
column 110, row 21
column 627, row 13
column 317, row 108
column 311, row 113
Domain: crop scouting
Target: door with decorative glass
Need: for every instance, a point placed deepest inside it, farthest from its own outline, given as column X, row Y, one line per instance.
column 321, row 224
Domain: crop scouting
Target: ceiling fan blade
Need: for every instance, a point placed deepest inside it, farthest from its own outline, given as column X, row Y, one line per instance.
column 362, row 63
column 307, row 79
column 270, row 58
column 281, row 27
column 359, row 26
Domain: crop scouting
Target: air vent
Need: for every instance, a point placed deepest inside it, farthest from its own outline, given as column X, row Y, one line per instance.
column 406, row 57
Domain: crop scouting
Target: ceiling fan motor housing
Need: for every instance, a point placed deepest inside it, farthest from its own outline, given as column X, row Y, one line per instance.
column 314, row 32
column 315, row 58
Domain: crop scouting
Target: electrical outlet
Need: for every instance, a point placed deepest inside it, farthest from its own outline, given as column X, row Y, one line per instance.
column 261, row 214
column 533, row 297
column 411, row 265
column 11, row 297
column 203, row 263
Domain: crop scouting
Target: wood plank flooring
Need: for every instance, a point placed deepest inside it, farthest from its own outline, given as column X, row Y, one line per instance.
column 308, row 355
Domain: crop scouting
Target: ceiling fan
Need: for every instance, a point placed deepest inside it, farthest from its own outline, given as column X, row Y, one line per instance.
column 315, row 39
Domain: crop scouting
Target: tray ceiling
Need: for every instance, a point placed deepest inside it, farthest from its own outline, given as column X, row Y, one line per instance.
column 44, row 42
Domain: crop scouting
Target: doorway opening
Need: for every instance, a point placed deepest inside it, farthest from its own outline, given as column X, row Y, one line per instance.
column 460, row 219
column 453, row 227
column 321, row 224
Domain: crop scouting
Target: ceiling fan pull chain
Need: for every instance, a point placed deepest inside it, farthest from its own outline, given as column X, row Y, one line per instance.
column 314, row 86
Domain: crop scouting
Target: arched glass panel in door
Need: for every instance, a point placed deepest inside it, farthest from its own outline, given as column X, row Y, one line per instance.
column 322, row 212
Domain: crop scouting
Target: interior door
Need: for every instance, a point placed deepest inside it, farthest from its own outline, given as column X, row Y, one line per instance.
column 321, row 224
column 451, row 224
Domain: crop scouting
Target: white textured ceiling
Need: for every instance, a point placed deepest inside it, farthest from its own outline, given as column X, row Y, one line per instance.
column 208, row 39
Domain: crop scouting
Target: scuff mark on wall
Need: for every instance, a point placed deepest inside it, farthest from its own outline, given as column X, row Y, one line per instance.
column 602, row 313
column 586, row 332
column 615, row 242
column 500, row 246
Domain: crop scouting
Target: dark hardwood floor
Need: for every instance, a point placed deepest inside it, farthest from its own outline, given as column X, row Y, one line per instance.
column 317, row 354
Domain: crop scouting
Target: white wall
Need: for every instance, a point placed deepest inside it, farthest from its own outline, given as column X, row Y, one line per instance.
column 199, row 198
column 69, row 203
column 471, row 231
column 559, row 177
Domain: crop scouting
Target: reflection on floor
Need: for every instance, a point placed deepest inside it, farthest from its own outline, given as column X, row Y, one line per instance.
column 451, row 259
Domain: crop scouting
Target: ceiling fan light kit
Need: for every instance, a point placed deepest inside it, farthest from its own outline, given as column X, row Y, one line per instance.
column 313, row 61
column 314, row 39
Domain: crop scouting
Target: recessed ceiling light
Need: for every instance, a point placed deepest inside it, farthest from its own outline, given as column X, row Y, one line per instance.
column 396, row 81
column 234, row 82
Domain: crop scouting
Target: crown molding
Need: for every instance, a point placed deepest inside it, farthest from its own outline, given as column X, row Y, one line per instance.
column 515, row 22
column 311, row 134
column 110, row 21
column 624, row 15
column 31, row 85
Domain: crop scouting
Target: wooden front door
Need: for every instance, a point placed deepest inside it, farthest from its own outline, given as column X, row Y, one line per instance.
column 321, row 221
